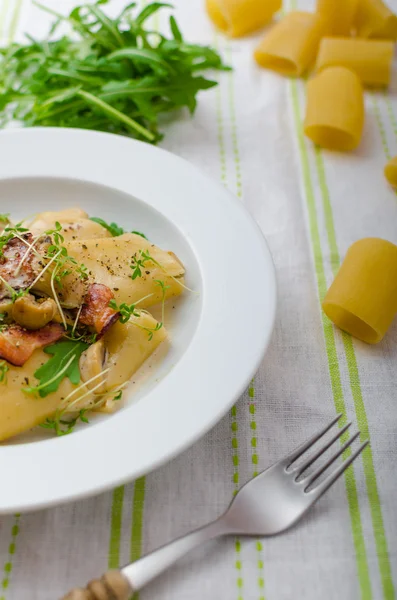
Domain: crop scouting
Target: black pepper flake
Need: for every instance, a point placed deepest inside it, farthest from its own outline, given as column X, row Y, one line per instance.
column 84, row 246
column 116, row 289
column 27, row 380
column 147, row 272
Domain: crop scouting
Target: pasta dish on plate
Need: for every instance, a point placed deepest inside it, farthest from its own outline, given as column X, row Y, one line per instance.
column 74, row 321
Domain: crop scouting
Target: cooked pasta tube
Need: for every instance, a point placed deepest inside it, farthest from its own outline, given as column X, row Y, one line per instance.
column 290, row 47
column 239, row 17
column 125, row 348
column 338, row 15
column 124, row 264
column 391, row 172
column 370, row 59
column 374, row 19
column 335, row 109
column 362, row 300
column 21, row 411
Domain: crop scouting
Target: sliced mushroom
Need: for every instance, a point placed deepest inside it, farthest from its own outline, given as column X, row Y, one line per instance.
column 32, row 314
column 91, row 364
column 6, row 310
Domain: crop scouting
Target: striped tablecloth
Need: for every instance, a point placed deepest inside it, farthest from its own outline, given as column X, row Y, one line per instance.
column 311, row 205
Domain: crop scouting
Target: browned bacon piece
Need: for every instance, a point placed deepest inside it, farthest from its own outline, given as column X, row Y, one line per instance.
column 18, row 344
column 96, row 311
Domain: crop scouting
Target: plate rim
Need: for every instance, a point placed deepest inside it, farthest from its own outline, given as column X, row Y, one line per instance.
column 64, row 141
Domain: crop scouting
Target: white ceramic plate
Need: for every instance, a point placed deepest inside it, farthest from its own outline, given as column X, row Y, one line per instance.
column 219, row 335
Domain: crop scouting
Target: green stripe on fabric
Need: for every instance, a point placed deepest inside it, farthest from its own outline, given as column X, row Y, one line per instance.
column 253, row 427
column 255, row 461
column 233, row 123
column 115, row 527
column 390, row 112
column 220, row 121
column 15, row 20
column 8, row 565
column 138, row 504
column 355, row 385
column 3, row 14
column 330, row 345
column 382, row 131
column 233, row 412
column 239, row 194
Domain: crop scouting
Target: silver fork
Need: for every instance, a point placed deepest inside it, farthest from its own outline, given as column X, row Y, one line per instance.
column 267, row 505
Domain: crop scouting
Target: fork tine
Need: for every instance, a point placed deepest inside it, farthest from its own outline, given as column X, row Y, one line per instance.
column 329, row 462
column 295, row 454
column 326, row 484
column 321, row 451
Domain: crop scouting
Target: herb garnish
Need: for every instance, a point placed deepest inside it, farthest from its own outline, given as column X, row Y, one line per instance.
column 129, row 310
column 164, row 289
column 126, row 310
column 65, row 426
column 64, row 362
column 113, row 228
column 112, row 74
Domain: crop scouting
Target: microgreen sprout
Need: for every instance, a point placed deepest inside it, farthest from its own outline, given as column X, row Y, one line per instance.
column 164, row 289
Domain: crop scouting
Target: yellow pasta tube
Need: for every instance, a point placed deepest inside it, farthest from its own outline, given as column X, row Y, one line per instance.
column 239, row 17
column 338, row 15
column 290, row 47
column 370, row 59
column 362, row 300
column 335, row 109
column 391, row 172
column 374, row 19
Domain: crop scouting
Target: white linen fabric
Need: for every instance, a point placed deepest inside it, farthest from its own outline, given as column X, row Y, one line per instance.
column 311, row 205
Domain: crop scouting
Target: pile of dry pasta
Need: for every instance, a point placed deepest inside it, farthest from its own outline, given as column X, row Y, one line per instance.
column 347, row 45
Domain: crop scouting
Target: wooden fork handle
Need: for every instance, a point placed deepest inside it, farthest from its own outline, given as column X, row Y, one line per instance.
column 112, row 586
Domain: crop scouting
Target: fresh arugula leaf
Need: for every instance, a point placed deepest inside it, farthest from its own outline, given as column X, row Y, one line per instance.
column 64, row 362
column 111, row 74
column 176, row 32
column 113, row 228
column 140, row 233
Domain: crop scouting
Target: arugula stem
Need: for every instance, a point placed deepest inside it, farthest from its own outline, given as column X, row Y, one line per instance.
column 32, row 390
column 113, row 112
column 53, row 275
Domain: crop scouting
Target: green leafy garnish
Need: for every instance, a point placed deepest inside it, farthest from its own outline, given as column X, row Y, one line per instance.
column 65, row 426
column 164, row 289
column 126, row 310
column 113, row 228
column 140, row 233
column 82, row 272
column 129, row 310
column 64, row 362
column 111, row 74
column 137, row 265
column 4, row 368
column 118, row 396
column 4, row 218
